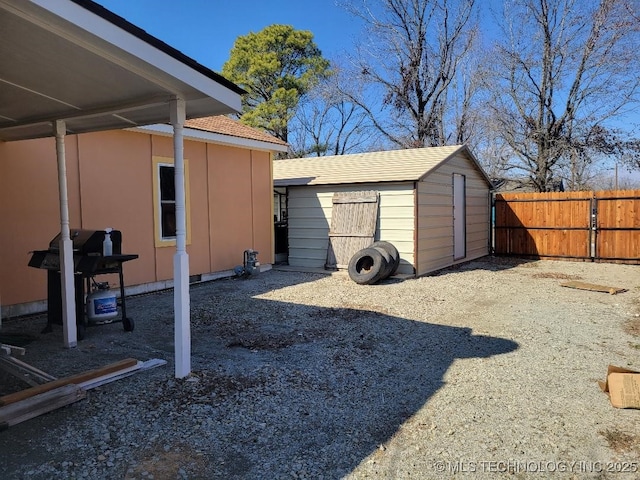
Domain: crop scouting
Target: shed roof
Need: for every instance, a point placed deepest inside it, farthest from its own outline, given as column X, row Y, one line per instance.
column 372, row 167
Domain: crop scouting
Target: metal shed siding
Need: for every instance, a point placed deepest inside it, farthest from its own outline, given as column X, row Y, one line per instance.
column 310, row 207
column 435, row 215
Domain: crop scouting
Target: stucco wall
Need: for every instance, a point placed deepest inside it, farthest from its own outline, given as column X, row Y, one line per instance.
column 240, row 200
column 435, row 215
column 30, row 213
column 310, row 207
column 110, row 183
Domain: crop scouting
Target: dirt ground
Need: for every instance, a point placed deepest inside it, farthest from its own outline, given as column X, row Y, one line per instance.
column 485, row 369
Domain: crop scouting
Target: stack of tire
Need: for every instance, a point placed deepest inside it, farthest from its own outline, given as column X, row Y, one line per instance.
column 374, row 263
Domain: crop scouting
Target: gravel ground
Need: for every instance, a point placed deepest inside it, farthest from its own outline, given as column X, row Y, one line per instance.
column 484, row 370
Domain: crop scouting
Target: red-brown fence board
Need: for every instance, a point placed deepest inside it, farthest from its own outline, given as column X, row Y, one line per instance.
column 618, row 225
column 559, row 224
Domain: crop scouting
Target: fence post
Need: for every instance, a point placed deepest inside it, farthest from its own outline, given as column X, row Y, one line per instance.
column 593, row 233
column 492, row 223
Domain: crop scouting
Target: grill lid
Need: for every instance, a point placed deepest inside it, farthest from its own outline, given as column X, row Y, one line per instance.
column 88, row 241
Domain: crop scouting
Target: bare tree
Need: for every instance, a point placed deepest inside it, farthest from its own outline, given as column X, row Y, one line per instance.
column 563, row 70
column 411, row 60
column 327, row 122
column 466, row 115
column 614, row 179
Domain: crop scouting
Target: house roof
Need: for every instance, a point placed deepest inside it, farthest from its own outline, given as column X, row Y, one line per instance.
column 221, row 130
column 386, row 166
column 76, row 61
column 227, row 126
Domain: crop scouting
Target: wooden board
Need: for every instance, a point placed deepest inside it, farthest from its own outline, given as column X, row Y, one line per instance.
column 35, row 405
column 11, row 349
column 593, row 287
column 75, row 379
column 111, row 377
column 24, row 371
column 354, row 217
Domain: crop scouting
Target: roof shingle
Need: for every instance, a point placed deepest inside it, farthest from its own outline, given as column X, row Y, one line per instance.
column 227, row 126
column 386, row 166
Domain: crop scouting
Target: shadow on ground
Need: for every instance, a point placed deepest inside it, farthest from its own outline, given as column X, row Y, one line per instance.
column 279, row 390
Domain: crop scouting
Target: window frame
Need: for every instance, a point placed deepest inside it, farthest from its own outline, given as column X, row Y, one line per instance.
column 159, row 239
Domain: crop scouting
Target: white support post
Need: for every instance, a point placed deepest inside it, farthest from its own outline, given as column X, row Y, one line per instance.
column 69, row 329
column 181, row 302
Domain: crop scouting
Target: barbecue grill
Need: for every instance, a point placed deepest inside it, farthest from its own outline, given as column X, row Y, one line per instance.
column 88, row 262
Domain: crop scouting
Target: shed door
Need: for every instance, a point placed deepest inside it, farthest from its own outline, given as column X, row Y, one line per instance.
column 354, row 216
column 459, row 217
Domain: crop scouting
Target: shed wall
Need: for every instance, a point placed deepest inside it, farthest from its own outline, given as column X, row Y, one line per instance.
column 435, row 215
column 309, row 219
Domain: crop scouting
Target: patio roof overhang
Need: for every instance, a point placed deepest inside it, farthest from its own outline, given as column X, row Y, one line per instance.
column 71, row 66
column 78, row 62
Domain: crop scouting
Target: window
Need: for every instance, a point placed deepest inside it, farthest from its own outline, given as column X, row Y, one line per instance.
column 167, row 201
column 164, row 196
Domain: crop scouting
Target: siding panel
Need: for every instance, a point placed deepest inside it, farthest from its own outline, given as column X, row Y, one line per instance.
column 405, row 216
column 310, row 209
column 435, row 219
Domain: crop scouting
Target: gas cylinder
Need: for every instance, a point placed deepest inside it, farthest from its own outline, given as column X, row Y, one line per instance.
column 101, row 304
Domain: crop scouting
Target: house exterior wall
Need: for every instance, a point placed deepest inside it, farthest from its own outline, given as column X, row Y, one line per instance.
column 241, row 201
column 435, row 215
column 28, row 190
column 110, row 183
column 309, row 220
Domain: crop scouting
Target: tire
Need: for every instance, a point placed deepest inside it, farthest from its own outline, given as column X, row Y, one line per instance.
column 366, row 266
column 393, row 253
column 128, row 324
column 388, row 262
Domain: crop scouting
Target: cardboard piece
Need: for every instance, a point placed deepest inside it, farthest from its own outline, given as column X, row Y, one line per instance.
column 622, row 386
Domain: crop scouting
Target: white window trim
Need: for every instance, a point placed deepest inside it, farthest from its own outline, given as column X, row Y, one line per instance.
column 159, row 240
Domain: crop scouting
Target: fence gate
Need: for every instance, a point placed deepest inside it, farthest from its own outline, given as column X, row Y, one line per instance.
column 593, row 226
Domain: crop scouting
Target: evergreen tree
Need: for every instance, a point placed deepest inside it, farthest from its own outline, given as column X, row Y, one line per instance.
column 277, row 67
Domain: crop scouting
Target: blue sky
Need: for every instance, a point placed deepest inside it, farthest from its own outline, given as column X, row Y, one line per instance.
column 205, row 30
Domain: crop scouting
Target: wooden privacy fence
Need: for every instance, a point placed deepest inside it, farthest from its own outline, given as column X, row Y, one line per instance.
column 597, row 226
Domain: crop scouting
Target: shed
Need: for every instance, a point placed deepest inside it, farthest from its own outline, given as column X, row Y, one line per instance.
column 433, row 205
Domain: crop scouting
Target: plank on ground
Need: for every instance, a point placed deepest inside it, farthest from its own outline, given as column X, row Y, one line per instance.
column 44, row 402
column 112, row 377
column 29, row 374
column 79, row 378
column 593, row 287
column 11, row 349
